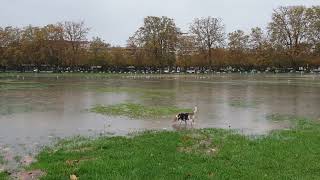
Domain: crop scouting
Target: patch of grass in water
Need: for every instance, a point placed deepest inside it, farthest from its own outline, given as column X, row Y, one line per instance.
column 17, row 158
column 137, row 110
column 134, row 90
column 4, row 176
column 2, row 161
column 12, row 109
column 7, row 109
column 143, row 92
column 182, row 155
column 281, row 117
column 18, row 85
column 243, row 104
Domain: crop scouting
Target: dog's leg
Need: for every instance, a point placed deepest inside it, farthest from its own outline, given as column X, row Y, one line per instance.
column 194, row 118
column 191, row 119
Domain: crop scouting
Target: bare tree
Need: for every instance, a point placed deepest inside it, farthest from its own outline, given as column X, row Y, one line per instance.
column 75, row 33
column 238, row 41
column 256, row 38
column 238, row 44
column 288, row 29
column 313, row 17
column 185, row 51
column 99, row 51
column 209, row 33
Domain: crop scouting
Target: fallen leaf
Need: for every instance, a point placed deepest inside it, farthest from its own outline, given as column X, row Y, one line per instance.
column 73, row 177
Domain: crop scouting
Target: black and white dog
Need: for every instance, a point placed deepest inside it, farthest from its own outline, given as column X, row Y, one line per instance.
column 186, row 116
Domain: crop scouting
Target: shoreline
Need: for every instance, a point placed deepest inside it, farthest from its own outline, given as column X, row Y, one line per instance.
column 195, row 153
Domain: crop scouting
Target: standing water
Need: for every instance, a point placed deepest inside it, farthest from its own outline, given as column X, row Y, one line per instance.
column 37, row 109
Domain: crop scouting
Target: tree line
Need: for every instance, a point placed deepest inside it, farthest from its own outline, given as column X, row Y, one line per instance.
column 290, row 40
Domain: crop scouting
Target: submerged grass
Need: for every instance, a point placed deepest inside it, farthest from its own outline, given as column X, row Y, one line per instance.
column 12, row 109
column 2, row 161
column 18, row 85
column 280, row 117
column 134, row 90
column 243, row 104
column 8, row 109
column 143, row 92
column 137, row 110
column 192, row 154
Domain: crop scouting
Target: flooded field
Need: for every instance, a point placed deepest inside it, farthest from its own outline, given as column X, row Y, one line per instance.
column 36, row 110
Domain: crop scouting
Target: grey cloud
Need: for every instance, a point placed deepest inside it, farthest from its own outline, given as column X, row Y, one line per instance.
column 116, row 20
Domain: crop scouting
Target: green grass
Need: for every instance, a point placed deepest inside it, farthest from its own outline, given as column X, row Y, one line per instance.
column 192, row 154
column 280, row 117
column 17, row 158
column 2, row 160
column 3, row 176
column 137, row 110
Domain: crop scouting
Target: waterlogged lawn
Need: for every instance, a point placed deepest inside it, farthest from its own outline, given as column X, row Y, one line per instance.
column 192, row 154
column 20, row 85
column 137, row 110
column 143, row 92
column 243, row 104
column 8, row 109
column 12, row 109
column 280, row 117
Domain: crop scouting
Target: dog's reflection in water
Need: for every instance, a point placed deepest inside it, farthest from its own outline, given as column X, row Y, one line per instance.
column 181, row 127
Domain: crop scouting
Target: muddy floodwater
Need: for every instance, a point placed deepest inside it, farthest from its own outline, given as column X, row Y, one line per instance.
column 35, row 110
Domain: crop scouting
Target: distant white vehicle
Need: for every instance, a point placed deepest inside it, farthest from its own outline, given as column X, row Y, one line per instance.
column 191, row 71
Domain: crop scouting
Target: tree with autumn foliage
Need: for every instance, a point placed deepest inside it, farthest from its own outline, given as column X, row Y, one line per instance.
column 158, row 37
column 290, row 40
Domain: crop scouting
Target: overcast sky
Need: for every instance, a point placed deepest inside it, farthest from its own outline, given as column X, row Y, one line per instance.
column 116, row 20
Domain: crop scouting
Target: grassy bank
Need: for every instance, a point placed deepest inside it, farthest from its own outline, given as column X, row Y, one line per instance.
column 137, row 110
column 3, row 176
column 192, row 154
